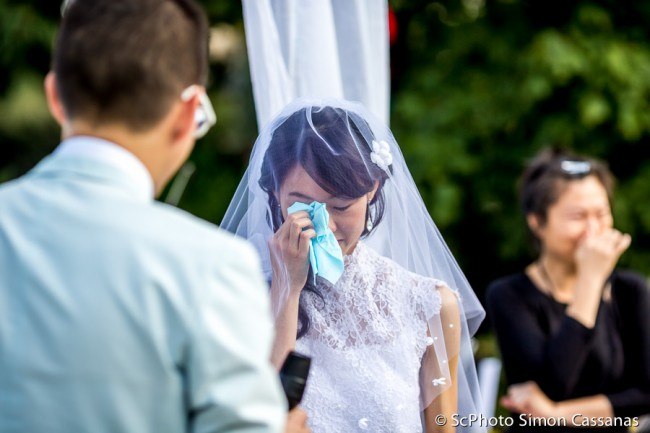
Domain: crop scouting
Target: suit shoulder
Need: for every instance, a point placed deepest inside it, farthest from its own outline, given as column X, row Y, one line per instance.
column 200, row 233
column 10, row 187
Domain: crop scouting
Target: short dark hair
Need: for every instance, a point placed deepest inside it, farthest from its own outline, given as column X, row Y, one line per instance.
column 548, row 175
column 126, row 60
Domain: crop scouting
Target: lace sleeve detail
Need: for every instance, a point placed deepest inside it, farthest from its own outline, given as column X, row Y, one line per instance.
column 425, row 298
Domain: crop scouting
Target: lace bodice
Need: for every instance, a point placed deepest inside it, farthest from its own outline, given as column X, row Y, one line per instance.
column 367, row 338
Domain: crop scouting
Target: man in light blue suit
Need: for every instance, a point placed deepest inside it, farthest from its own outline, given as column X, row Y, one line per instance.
column 119, row 313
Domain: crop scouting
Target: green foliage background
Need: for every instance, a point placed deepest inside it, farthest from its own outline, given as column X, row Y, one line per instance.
column 477, row 88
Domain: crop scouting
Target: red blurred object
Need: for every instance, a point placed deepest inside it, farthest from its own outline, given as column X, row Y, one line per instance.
column 392, row 26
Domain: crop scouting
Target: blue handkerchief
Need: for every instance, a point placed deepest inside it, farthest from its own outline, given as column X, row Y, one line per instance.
column 325, row 254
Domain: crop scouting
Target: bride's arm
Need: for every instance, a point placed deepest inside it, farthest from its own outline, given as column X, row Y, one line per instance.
column 286, row 328
column 446, row 404
column 289, row 252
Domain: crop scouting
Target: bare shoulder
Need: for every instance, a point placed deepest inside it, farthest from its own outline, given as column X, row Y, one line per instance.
column 449, row 300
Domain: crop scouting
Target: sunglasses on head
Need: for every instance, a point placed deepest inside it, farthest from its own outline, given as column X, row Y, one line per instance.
column 575, row 168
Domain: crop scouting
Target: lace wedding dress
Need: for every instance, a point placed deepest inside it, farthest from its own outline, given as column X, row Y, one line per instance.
column 367, row 337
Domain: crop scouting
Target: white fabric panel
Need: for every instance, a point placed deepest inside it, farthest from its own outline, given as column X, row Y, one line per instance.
column 318, row 49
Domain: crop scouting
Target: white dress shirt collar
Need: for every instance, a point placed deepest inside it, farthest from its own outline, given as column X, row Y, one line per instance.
column 112, row 154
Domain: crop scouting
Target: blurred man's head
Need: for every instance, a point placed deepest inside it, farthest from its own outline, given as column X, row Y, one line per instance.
column 120, row 67
column 128, row 60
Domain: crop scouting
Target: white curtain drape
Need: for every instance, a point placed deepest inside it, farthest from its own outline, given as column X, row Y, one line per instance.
column 318, row 49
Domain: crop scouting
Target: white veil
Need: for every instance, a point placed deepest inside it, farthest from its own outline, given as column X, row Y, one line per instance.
column 317, row 48
column 406, row 234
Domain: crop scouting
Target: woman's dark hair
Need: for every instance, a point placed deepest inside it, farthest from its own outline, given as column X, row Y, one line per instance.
column 547, row 176
column 329, row 145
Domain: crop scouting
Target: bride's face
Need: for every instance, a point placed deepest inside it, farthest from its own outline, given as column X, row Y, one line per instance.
column 347, row 216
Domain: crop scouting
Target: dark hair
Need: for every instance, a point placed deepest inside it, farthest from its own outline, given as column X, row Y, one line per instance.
column 127, row 60
column 335, row 153
column 548, row 175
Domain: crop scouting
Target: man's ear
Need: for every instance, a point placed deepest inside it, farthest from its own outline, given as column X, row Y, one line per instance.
column 184, row 124
column 54, row 102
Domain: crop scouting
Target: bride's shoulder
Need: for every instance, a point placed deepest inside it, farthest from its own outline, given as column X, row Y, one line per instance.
column 400, row 271
column 419, row 286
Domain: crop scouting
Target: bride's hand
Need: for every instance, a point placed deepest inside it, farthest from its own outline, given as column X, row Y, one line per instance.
column 289, row 248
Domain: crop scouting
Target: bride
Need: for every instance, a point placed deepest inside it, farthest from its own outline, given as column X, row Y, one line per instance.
column 361, row 280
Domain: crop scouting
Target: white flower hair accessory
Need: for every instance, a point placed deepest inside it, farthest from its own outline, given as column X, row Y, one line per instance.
column 381, row 155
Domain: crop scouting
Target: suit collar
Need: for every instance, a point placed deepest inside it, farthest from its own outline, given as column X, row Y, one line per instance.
column 100, row 160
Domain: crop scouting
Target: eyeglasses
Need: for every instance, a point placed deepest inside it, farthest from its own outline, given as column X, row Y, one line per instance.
column 204, row 117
